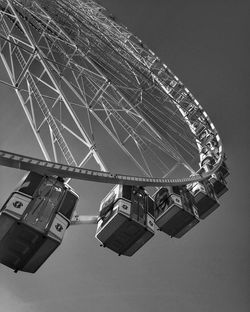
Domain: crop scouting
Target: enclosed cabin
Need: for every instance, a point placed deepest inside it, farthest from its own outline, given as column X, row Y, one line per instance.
column 217, row 179
column 126, row 220
column 219, row 184
column 204, row 198
column 224, row 170
column 175, row 212
column 33, row 221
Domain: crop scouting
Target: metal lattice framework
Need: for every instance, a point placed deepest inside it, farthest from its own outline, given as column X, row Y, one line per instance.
column 76, row 71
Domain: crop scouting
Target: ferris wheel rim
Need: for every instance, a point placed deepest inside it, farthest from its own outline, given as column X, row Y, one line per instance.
column 27, row 163
column 219, row 159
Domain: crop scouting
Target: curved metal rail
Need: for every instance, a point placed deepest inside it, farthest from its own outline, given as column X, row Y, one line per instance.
column 27, row 163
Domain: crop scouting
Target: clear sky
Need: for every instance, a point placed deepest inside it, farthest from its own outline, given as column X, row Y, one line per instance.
column 206, row 43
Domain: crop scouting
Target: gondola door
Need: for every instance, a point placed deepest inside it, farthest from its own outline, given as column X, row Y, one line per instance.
column 44, row 204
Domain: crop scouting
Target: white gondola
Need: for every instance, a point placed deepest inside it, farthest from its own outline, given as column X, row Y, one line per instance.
column 175, row 214
column 205, row 199
column 125, row 222
column 33, row 221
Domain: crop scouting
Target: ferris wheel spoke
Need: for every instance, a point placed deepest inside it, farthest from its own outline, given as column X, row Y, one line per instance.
column 109, row 114
column 174, row 142
column 139, row 140
column 118, row 141
column 159, row 115
column 168, row 127
column 178, row 121
column 144, row 160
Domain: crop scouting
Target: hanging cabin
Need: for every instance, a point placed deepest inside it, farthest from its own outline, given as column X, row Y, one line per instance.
column 33, row 221
column 204, row 197
column 217, row 181
column 219, row 184
column 175, row 212
column 224, row 170
column 126, row 220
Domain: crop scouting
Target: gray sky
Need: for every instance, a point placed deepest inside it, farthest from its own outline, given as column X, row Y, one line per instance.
column 205, row 43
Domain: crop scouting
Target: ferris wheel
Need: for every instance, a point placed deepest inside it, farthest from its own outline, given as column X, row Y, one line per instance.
column 103, row 107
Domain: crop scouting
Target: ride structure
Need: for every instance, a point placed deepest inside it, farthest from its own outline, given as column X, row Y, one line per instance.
column 99, row 102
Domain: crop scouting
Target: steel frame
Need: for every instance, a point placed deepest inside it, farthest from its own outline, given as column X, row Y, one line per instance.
column 63, row 57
